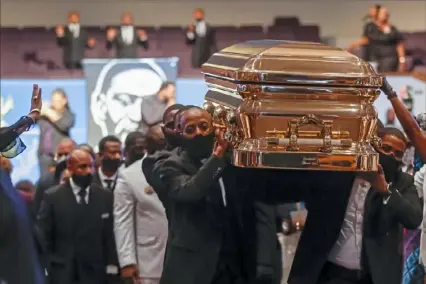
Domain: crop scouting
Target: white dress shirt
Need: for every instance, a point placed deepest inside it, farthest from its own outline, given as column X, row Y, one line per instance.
column 348, row 247
column 74, row 29
column 420, row 183
column 76, row 190
column 200, row 30
column 103, row 177
column 127, row 32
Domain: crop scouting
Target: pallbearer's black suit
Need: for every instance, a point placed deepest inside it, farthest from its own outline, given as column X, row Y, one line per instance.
column 126, row 49
column 74, row 45
column 208, row 240
column 79, row 236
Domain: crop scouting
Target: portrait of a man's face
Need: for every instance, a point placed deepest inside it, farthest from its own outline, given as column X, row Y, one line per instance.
column 116, row 107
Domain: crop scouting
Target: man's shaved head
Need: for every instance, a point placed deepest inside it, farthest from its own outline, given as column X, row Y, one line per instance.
column 80, row 162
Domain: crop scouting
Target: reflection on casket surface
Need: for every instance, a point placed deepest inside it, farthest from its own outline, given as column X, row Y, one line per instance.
column 294, row 105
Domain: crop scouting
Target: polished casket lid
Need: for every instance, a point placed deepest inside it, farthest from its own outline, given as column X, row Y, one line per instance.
column 290, row 63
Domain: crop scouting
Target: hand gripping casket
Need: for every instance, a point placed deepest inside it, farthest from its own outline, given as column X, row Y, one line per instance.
column 294, row 105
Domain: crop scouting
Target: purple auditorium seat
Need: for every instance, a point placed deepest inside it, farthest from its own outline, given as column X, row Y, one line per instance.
column 226, row 36
column 287, row 21
column 280, row 32
column 153, row 39
column 172, row 42
column 251, row 32
column 307, row 33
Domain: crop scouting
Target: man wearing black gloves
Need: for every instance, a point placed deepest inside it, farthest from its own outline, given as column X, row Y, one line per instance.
column 210, row 215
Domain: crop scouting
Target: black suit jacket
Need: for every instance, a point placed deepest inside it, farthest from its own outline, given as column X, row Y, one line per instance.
column 19, row 262
column 124, row 50
column 202, row 47
column 326, row 204
column 195, row 240
column 150, row 162
column 382, row 234
column 73, row 47
column 79, row 237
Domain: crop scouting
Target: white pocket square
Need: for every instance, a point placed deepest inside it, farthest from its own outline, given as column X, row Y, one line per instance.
column 105, row 216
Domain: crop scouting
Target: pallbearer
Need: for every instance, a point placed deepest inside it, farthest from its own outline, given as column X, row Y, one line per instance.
column 303, row 115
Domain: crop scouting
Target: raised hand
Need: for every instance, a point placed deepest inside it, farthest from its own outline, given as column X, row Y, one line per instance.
column 111, row 33
column 221, row 145
column 142, row 34
column 91, row 42
column 379, row 181
column 387, row 89
column 130, row 271
column 60, row 32
column 36, row 102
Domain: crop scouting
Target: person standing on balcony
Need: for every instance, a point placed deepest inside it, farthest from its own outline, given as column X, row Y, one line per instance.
column 74, row 40
column 202, row 38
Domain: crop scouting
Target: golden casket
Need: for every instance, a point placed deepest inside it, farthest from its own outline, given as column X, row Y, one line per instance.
column 294, row 105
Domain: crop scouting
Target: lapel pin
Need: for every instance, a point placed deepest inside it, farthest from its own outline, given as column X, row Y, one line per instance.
column 149, row 190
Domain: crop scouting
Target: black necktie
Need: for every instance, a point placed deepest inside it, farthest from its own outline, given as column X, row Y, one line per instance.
column 109, row 184
column 82, row 194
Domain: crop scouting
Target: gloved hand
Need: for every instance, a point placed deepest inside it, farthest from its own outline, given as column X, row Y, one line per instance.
column 264, row 274
column 387, row 89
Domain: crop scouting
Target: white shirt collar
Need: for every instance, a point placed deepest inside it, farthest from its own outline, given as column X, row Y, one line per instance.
column 103, row 177
column 76, row 189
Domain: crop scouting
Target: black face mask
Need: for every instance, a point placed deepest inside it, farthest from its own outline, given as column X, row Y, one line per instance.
column 199, row 147
column 137, row 153
column 173, row 140
column 390, row 166
column 82, row 181
column 110, row 165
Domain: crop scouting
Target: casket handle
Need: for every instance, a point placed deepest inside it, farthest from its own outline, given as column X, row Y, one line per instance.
column 294, row 126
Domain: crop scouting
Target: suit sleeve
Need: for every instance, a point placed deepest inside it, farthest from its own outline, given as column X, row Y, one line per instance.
column 186, row 188
column 110, row 250
column 124, row 230
column 45, row 221
column 266, row 233
column 111, row 43
column 190, row 37
column 406, row 206
column 11, row 133
column 63, row 40
column 66, row 122
column 143, row 42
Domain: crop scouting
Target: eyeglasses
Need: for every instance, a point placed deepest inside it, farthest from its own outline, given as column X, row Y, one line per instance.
column 387, row 149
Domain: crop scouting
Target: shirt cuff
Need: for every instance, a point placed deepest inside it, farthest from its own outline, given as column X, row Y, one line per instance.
column 14, row 149
column 190, row 35
column 387, row 198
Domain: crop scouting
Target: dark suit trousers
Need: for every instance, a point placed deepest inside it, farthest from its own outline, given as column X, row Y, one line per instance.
column 333, row 274
column 228, row 270
column 227, row 276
